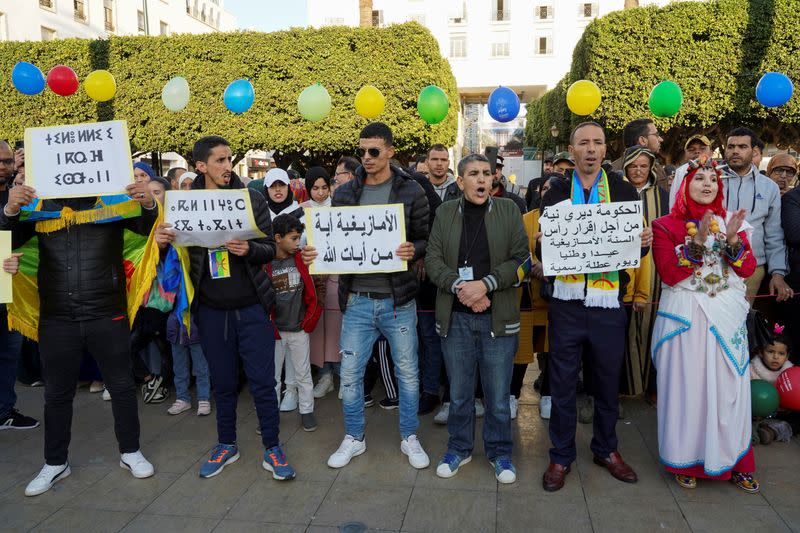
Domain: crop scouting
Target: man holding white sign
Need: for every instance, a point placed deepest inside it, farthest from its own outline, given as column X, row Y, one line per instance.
column 585, row 309
column 233, row 297
column 380, row 303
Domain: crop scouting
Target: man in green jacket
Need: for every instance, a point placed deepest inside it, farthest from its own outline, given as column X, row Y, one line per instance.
column 475, row 250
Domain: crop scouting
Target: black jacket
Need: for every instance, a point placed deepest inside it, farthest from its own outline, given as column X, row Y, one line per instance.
column 790, row 220
column 262, row 250
column 404, row 191
column 453, row 192
column 81, row 272
column 620, row 190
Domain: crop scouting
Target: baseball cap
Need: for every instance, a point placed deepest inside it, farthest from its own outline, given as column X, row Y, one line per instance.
column 563, row 156
column 697, row 137
column 276, row 174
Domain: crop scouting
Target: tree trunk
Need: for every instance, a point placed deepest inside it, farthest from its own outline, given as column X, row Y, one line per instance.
column 630, row 4
column 365, row 13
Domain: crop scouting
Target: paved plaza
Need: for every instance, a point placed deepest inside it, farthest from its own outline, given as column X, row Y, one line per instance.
column 378, row 489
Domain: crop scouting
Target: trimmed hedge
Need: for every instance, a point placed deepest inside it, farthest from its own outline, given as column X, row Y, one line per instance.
column 715, row 50
column 400, row 60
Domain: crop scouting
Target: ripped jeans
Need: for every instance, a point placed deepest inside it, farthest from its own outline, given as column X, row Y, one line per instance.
column 364, row 321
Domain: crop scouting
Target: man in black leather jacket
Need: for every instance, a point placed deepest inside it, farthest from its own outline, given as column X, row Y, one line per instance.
column 232, row 316
column 83, row 307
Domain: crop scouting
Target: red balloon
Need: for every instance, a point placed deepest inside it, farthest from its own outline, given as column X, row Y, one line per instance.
column 788, row 385
column 62, row 80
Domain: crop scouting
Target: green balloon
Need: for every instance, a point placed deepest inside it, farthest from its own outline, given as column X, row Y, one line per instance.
column 433, row 104
column 314, row 103
column 666, row 99
column 764, row 396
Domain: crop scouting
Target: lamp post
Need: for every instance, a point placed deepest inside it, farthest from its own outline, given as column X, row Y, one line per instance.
column 554, row 132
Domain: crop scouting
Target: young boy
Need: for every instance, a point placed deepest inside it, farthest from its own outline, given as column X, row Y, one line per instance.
column 296, row 313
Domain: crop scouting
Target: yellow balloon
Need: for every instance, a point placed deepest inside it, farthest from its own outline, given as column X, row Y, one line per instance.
column 369, row 102
column 583, row 97
column 100, row 86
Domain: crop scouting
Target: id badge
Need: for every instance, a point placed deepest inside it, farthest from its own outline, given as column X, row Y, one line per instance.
column 219, row 263
column 465, row 273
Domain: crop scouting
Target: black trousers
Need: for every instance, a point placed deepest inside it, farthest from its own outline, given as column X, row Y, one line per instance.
column 61, row 345
column 599, row 334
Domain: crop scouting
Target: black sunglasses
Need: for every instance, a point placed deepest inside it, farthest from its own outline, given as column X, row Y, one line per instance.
column 373, row 152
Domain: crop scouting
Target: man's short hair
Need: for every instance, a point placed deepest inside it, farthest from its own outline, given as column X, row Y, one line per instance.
column 284, row 224
column 202, row 148
column 635, row 129
column 171, row 172
column 584, row 125
column 741, row 131
column 472, row 158
column 420, row 159
column 350, row 163
column 438, row 148
column 377, row 130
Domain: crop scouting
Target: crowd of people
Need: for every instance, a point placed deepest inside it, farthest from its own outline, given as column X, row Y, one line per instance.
column 455, row 331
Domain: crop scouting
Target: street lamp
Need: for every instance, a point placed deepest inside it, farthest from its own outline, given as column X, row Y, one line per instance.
column 554, row 133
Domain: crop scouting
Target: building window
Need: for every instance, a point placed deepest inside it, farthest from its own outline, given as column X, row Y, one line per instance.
column 48, row 34
column 48, row 4
column 418, row 17
column 188, row 8
column 164, row 28
column 543, row 12
column 588, row 10
column 108, row 14
column 543, row 45
column 203, row 13
column 79, row 9
column 500, row 45
column 3, row 27
column 140, row 22
column 377, row 18
column 334, row 21
column 501, row 11
column 458, row 12
column 458, row 46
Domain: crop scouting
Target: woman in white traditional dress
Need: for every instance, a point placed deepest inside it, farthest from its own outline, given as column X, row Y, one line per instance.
column 700, row 346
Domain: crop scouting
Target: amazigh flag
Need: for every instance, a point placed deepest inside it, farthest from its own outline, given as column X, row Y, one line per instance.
column 140, row 257
column 524, row 270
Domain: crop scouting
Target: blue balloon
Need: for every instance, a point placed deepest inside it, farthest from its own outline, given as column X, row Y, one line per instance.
column 239, row 96
column 503, row 104
column 27, row 78
column 774, row 89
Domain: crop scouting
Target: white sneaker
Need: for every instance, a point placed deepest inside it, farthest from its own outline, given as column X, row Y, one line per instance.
column 441, row 416
column 479, row 409
column 46, row 479
column 349, row 448
column 324, row 385
column 179, row 407
column 106, row 395
column 289, row 402
column 413, row 449
column 137, row 464
column 545, row 406
column 340, row 391
column 514, row 404
column 203, row 408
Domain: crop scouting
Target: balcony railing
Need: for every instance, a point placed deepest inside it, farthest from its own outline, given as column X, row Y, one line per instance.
column 80, row 15
column 502, row 15
column 109, row 26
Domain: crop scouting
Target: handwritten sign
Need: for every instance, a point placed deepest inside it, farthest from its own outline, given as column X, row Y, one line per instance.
column 208, row 218
column 78, row 160
column 5, row 277
column 585, row 239
column 356, row 240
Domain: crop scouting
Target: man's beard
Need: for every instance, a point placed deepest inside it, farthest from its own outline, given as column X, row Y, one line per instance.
column 495, row 183
column 4, row 180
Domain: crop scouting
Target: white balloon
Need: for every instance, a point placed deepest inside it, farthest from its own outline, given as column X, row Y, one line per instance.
column 175, row 94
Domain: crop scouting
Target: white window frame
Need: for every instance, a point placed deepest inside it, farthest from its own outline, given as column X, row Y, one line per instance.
column 51, row 7
column 582, row 10
column 548, row 51
column 162, row 26
column 85, row 4
column 462, row 37
column 42, row 29
column 500, row 45
column 550, row 13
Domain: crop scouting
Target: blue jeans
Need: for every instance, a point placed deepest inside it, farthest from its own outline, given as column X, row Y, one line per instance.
column 10, row 350
column 181, row 356
column 469, row 346
column 432, row 349
column 364, row 321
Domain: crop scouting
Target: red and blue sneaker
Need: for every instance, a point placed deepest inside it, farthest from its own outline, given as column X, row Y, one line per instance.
column 221, row 456
column 275, row 461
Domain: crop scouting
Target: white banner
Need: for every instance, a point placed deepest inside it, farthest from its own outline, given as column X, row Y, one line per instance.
column 208, row 218
column 591, row 238
column 78, row 160
column 356, row 240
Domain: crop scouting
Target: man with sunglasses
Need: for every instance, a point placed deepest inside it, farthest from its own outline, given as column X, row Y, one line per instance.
column 643, row 132
column 375, row 304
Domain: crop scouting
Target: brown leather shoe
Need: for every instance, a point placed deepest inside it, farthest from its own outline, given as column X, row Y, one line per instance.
column 618, row 468
column 553, row 478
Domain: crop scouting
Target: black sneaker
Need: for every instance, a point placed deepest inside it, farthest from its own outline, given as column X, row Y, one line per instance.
column 16, row 420
column 369, row 401
column 308, row 421
column 151, row 389
column 428, row 403
column 161, row 394
column 389, row 404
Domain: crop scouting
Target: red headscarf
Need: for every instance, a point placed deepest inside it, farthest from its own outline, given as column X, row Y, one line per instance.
column 687, row 209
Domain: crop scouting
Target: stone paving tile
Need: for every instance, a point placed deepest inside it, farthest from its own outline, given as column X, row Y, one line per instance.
column 81, row 478
column 632, row 516
column 242, row 526
column 790, row 515
column 147, row 523
column 552, row 513
column 293, row 502
column 85, row 521
column 464, row 511
column 119, row 491
column 19, row 517
column 720, row 517
column 377, row 507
